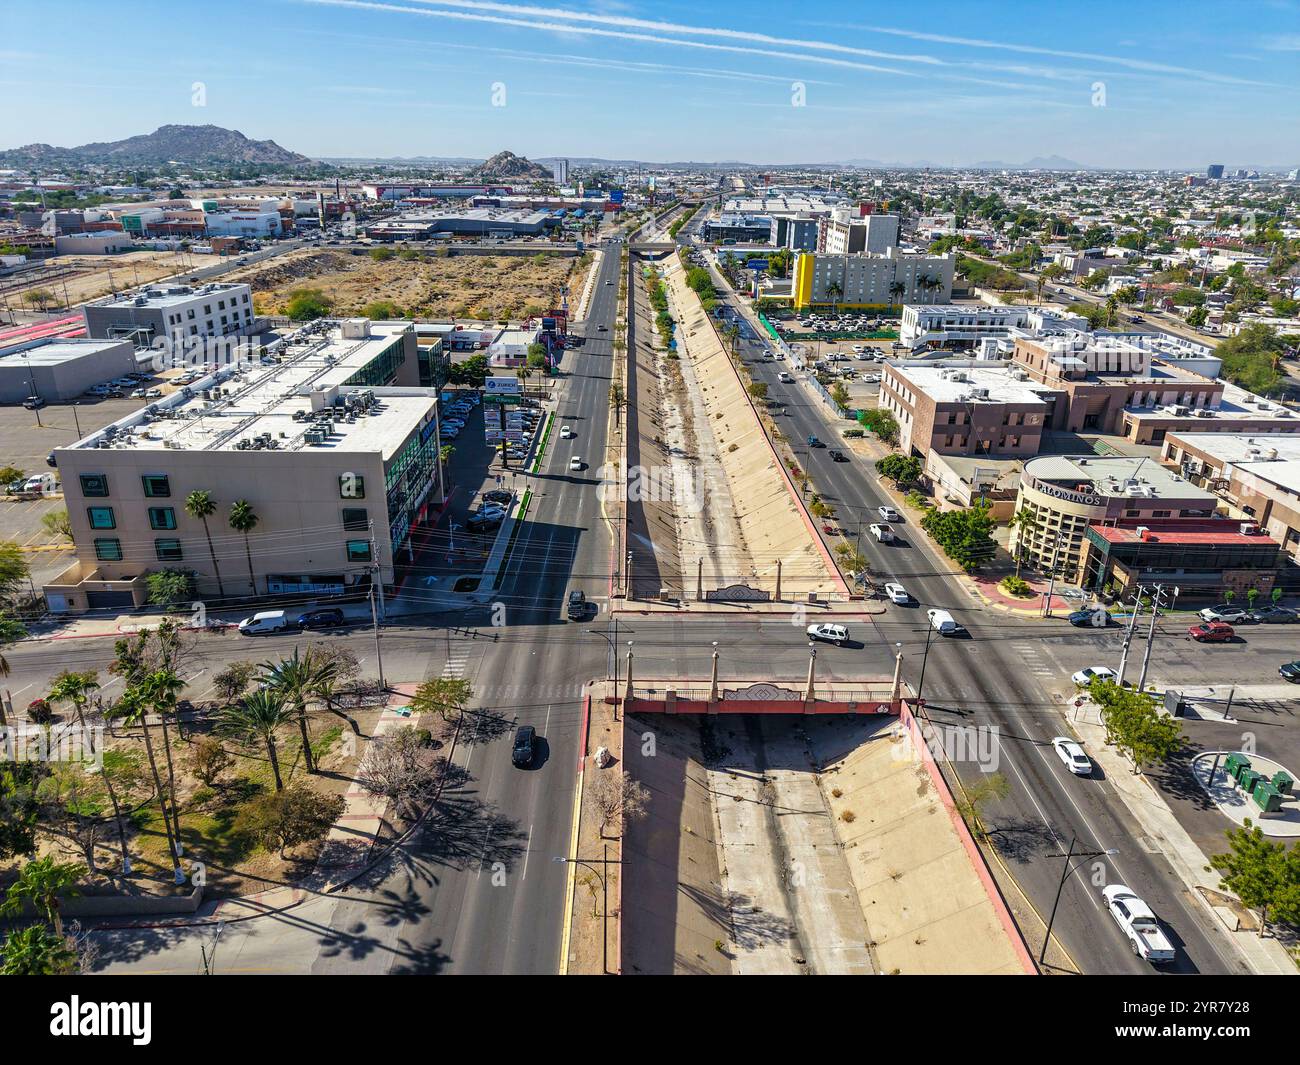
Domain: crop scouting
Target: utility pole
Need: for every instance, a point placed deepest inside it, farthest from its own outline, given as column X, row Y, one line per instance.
column 374, row 621
column 1151, row 633
column 1051, row 584
column 1128, row 635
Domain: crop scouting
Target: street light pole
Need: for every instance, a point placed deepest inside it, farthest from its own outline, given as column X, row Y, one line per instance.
column 1051, row 583
column 925, row 657
column 1065, row 873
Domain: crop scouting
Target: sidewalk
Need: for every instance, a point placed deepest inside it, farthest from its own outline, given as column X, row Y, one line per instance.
column 1264, row 956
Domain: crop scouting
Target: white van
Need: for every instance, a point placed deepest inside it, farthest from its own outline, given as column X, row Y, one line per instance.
column 266, row 622
column 942, row 623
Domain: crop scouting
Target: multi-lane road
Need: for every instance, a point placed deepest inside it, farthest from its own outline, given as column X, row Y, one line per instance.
column 1007, row 676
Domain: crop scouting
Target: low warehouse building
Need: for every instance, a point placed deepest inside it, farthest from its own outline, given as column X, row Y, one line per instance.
column 56, row 369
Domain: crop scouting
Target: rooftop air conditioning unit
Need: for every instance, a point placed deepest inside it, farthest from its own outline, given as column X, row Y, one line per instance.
column 1249, row 528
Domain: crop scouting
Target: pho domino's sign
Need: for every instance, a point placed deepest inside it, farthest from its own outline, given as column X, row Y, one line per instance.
column 1068, row 495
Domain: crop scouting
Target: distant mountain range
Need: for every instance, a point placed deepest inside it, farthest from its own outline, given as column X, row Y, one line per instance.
column 188, row 145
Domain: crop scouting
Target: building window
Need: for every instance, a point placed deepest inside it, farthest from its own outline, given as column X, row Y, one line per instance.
column 162, row 518
column 168, row 550
column 108, row 549
column 94, row 484
column 355, row 519
column 352, row 486
column 156, row 485
column 101, row 517
column 358, row 550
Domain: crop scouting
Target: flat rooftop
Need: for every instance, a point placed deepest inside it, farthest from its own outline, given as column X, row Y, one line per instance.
column 952, row 384
column 1188, row 533
column 1110, row 475
column 1236, row 404
column 1252, row 453
column 168, row 295
column 52, row 352
column 259, row 399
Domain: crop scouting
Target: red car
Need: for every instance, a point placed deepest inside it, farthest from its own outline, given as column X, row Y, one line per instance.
column 1211, row 632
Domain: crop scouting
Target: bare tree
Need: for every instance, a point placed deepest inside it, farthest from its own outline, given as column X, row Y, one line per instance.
column 402, row 768
column 619, row 798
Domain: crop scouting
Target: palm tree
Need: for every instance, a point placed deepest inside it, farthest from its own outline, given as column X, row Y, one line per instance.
column 834, row 291
column 258, row 717
column 42, row 882
column 161, row 688
column 1023, row 521
column 11, row 630
column 133, row 708
column 243, row 520
column 76, row 688
column 35, row 951
column 896, row 289
column 200, row 504
column 617, row 400
column 297, row 679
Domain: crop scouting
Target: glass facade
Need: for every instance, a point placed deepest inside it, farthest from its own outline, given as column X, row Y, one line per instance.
column 382, row 369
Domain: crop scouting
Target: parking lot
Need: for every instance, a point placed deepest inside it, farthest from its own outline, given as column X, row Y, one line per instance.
column 26, row 438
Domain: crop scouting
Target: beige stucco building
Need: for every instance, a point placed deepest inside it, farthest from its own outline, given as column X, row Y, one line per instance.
column 334, row 446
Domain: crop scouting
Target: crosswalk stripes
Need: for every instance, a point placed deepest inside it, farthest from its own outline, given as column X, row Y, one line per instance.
column 1033, row 660
column 455, row 667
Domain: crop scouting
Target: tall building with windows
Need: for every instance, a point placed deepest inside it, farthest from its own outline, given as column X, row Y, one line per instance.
column 173, row 312
column 334, row 446
column 871, row 280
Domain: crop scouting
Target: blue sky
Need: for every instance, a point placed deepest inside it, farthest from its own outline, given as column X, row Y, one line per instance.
column 1106, row 83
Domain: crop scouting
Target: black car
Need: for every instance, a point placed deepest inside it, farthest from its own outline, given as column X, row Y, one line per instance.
column 1289, row 671
column 1085, row 617
column 837, row 455
column 328, row 618
column 814, row 442
column 1275, row 615
column 522, row 754
column 498, row 495
column 577, row 606
column 483, row 522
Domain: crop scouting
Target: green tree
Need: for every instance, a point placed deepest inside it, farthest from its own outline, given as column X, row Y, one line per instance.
column 1252, row 358
column 289, row 818
column 617, row 400
column 298, row 679
column 1024, row 521
column 305, row 304
column 43, row 883
column 77, row 689
column 10, row 475
column 1135, row 726
column 200, row 504
column 11, row 631
column 970, row 803
column 1265, row 875
column 36, row 951
column 57, row 523
column 169, row 588
column 382, row 311
column 445, row 697
column 13, row 570
column 966, row 536
column 901, row 469
column 757, row 389
column 243, row 520
column 881, row 422
column 258, row 717
column 233, row 681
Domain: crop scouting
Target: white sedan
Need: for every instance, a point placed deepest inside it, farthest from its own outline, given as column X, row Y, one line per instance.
column 889, row 514
column 575, row 463
column 896, row 593
column 1072, row 755
column 1088, row 674
column 566, row 432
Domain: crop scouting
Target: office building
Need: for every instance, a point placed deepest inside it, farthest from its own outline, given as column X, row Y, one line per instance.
column 825, row 280
column 560, row 171
column 175, row 313
column 1066, row 494
column 334, row 447
column 1257, row 476
column 1214, row 171
column 965, row 409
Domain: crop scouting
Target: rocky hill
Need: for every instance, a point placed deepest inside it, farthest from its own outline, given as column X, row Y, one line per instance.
column 508, row 165
column 189, row 145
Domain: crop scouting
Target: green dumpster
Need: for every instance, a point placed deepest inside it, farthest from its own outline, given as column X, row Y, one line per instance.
column 1248, row 778
column 1267, row 797
column 1235, row 763
column 1283, row 782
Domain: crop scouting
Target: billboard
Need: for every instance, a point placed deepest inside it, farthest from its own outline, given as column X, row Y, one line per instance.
column 616, row 196
column 501, row 386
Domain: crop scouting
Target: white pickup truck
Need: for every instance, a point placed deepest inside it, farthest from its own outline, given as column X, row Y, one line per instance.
column 883, row 533
column 1138, row 923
